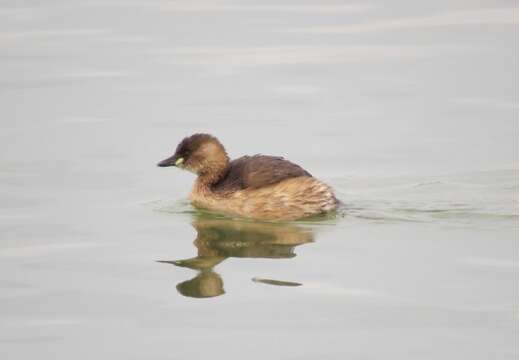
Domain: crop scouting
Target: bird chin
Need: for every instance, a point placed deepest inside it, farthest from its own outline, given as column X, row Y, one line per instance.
column 188, row 168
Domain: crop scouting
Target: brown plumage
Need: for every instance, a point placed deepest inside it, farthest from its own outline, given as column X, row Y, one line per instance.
column 259, row 186
column 254, row 172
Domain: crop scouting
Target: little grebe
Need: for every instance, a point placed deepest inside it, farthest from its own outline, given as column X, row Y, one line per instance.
column 259, row 186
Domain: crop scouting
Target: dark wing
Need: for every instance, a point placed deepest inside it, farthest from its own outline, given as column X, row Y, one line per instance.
column 252, row 172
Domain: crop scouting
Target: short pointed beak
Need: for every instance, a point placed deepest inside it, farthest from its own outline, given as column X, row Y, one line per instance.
column 168, row 162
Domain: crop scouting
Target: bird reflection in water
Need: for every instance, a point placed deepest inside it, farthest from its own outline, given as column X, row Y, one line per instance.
column 218, row 239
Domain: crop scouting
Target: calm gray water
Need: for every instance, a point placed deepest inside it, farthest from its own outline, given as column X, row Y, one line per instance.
column 409, row 110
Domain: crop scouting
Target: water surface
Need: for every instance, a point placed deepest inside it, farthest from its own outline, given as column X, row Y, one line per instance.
column 409, row 110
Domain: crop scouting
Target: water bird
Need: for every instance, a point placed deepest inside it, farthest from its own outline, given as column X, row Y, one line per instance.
column 258, row 187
